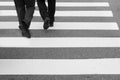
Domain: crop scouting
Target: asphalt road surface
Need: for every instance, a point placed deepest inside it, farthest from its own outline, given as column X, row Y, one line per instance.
column 84, row 43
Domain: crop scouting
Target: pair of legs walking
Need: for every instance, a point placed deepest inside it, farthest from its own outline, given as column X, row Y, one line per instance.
column 47, row 13
column 25, row 10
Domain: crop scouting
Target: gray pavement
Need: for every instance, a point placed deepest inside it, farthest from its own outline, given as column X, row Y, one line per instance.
column 64, row 53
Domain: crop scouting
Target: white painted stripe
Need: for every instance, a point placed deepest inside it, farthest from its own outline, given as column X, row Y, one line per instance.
column 66, row 25
column 68, row 4
column 59, row 42
column 65, row 13
column 83, row 4
column 59, row 67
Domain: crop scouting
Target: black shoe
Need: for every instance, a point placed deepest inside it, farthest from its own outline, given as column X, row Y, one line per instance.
column 46, row 23
column 51, row 24
column 25, row 32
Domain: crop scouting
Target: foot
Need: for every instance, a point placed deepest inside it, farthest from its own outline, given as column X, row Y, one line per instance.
column 25, row 32
column 46, row 23
column 51, row 24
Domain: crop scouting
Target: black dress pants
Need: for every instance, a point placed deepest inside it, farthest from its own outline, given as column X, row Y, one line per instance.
column 25, row 10
column 47, row 11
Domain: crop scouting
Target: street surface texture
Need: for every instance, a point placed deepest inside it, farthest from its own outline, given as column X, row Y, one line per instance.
column 84, row 43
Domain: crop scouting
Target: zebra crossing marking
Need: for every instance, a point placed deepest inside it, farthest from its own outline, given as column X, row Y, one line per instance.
column 64, row 66
column 65, row 13
column 66, row 25
column 59, row 67
column 67, row 4
column 62, row 42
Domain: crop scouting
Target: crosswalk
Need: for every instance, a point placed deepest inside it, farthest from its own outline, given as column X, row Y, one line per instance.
column 68, row 4
column 83, row 41
column 66, row 13
column 60, row 67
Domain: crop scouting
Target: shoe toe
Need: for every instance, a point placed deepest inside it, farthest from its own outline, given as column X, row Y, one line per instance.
column 46, row 24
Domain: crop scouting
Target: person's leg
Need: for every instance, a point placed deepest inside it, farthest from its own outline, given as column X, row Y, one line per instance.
column 51, row 10
column 42, row 8
column 20, row 8
column 44, row 13
column 29, row 10
column 30, row 7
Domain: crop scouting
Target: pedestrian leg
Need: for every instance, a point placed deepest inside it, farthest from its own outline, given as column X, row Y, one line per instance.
column 51, row 11
column 44, row 13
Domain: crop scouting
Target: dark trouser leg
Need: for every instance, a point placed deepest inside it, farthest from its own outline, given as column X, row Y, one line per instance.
column 30, row 7
column 51, row 9
column 44, row 13
column 43, row 9
column 20, row 8
column 23, row 10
